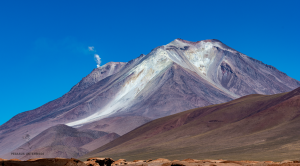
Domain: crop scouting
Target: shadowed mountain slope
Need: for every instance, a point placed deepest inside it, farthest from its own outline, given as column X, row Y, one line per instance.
column 100, row 141
column 118, row 124
column 254, row 127
column 61, row 141
column 172, row 78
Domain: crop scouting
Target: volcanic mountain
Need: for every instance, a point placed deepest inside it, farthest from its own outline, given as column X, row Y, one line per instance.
column 118, row 97
column 254, row 127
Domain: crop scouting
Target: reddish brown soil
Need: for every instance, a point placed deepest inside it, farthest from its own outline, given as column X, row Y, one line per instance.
column 254, row 127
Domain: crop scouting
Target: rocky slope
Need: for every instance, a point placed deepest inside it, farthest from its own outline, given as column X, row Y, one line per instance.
column 254, row 127
column 172, row 78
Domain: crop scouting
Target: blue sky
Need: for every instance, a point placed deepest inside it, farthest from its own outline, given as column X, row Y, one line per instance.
column 44, row 44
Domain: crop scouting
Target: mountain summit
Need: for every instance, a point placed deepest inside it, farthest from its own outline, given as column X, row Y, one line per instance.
column 118, row 97
column 207, row 72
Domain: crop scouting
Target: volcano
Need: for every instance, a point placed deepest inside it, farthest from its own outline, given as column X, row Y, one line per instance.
column 118, row 97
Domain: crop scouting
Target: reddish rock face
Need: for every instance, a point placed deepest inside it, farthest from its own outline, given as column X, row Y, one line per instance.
column 91, row 163
column 119, row 162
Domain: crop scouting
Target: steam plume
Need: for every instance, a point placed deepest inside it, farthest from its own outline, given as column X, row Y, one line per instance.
column 96, row 56
column 98, row 60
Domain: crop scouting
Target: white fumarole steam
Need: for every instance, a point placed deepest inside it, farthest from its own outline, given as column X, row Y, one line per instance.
column 98, row 60
column 96, row 56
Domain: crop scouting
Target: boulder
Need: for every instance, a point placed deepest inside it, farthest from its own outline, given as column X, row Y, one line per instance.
column 102, row 161
column 189, row 160
column 129, row 163
column 138, row 161
column 91, row 163
column 178, row 163
column 119, row 162
column 232, row 162
column 160, row 160
column 249, row 162
column 207, row 161
column 95, row 158
column 286, row 161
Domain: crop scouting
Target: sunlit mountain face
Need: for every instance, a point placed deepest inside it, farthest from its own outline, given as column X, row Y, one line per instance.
column 207, row 72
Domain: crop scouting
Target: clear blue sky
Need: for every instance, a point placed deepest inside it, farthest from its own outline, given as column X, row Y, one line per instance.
column 44, row 44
